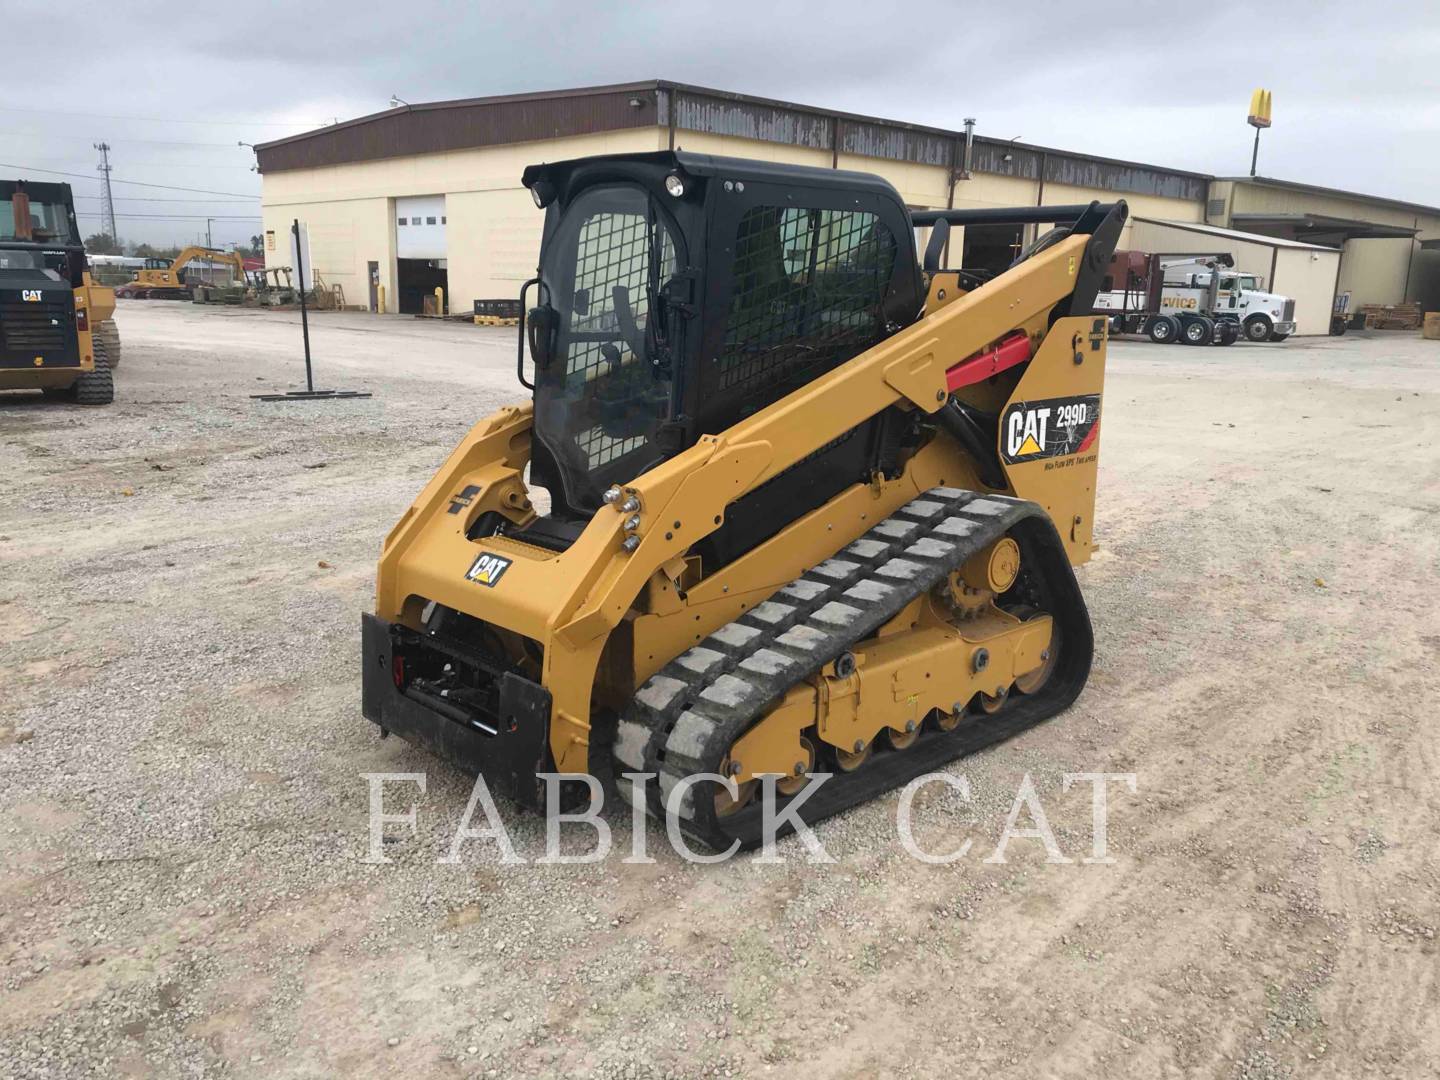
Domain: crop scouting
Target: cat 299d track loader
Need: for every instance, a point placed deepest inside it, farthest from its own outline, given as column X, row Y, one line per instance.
column 813, row 505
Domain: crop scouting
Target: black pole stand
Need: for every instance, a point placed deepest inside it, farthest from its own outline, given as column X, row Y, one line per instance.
column 309, row 393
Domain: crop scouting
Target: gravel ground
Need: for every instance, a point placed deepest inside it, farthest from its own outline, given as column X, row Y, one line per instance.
column 183, row 816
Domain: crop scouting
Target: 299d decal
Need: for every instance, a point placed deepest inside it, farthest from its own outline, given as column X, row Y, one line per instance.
column 1054, row 427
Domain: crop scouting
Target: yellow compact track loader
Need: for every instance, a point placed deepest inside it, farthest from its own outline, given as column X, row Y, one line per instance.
column 813, row 503
column 57, row 331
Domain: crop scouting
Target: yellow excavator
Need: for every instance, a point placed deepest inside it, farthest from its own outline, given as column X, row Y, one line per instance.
column 813, row 501
column 161, row 282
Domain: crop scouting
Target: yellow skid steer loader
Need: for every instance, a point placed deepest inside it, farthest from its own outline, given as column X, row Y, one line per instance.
column 813, row 501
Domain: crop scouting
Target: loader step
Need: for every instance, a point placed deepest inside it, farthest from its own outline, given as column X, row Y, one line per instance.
column 684, row 719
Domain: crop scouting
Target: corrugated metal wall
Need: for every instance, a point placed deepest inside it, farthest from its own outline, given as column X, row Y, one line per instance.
column 428, row 129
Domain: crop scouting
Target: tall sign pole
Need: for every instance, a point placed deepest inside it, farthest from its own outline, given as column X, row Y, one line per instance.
column 309, row 393
column 304, row 314
column 1259, row 118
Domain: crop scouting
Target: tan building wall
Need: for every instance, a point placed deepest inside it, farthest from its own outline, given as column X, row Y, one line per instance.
column 1372, row 271
column 493, row 229
column 1309, row 277
column 492, row 232
column 1375, row 271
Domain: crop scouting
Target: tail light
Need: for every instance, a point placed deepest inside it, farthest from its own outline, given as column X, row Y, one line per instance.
column 82, row 319
column 397, row 671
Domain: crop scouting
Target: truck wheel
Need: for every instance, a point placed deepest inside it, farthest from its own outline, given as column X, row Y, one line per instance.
column 1228, row 332
column 107, row 338
column 1163, row 329
column 1197, row 331
column 1257, row 328
column 1276, row 337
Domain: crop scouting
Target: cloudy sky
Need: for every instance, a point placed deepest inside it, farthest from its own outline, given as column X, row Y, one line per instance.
column 173, row 89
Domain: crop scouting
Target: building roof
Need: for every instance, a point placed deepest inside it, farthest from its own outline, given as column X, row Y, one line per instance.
column 1236, row 235
column 1316, row 189
column 436, row 127
column 467, row 123
column 1324, row 225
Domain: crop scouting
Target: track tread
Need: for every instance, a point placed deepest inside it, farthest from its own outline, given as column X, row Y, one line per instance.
column 687, row 719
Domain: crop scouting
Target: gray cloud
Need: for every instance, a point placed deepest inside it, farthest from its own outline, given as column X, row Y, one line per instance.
column 1357, row 100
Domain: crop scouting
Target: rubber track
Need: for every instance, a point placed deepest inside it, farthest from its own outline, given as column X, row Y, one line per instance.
column 685, row 718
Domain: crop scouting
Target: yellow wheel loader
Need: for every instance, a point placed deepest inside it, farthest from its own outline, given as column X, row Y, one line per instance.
column 57, row 331
column 813, row 501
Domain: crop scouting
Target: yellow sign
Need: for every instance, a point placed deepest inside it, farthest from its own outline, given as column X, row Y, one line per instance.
column 1259, row 109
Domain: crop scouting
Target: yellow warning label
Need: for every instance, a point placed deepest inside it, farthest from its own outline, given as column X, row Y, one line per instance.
column 1029, row 446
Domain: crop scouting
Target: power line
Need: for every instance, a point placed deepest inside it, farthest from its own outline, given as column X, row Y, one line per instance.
column 172, row 217
column 133, row 183
column 124, row 140
column 141, row 198
column 161, row 164
column 164, row 119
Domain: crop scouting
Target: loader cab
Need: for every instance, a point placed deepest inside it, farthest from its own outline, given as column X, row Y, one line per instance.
column 678, row 293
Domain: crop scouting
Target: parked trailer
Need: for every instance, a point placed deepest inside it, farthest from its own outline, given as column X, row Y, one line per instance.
column 1194, row 299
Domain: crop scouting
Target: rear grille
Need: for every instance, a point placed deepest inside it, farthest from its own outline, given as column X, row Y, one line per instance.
column 36, row 328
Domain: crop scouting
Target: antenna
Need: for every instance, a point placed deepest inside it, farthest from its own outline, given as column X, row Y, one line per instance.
column 107, row 209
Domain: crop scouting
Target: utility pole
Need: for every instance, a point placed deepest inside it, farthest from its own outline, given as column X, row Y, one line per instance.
column 208, row 220
column 107, row 209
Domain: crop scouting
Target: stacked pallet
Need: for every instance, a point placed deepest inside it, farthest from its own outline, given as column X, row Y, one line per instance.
column 1391, row 316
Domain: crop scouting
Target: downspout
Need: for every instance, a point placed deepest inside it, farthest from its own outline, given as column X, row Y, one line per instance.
column 1410, row 264
column 672, row 97
column 1040, row 192
column 960, row 170
column 834, row 142
column 950, row 193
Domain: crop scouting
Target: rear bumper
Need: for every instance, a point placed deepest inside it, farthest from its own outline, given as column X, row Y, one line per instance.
column 507, row 748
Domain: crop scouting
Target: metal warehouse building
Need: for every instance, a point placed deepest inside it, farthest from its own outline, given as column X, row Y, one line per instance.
column 427, row 195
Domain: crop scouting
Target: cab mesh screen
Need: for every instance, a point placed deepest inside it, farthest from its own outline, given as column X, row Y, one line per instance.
column 613, row 249
column 808, row 292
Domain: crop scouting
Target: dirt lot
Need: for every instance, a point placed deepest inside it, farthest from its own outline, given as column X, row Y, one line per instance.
column 183, row 817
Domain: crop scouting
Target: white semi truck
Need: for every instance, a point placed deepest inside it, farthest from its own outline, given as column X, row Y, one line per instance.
column 1194, row 299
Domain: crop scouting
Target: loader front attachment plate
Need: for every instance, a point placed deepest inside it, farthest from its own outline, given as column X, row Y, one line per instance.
column 505, row 739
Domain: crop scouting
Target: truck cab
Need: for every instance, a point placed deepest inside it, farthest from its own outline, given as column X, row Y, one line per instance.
column 1225, row 293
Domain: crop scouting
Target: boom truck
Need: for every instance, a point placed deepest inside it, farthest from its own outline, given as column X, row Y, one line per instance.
column 813, row 500
column 1193, row 299
column 57, row 333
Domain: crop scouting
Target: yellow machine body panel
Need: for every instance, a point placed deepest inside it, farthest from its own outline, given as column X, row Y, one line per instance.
column 571, row 602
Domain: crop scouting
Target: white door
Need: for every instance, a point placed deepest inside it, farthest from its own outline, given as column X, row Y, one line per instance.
column 420, row 227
